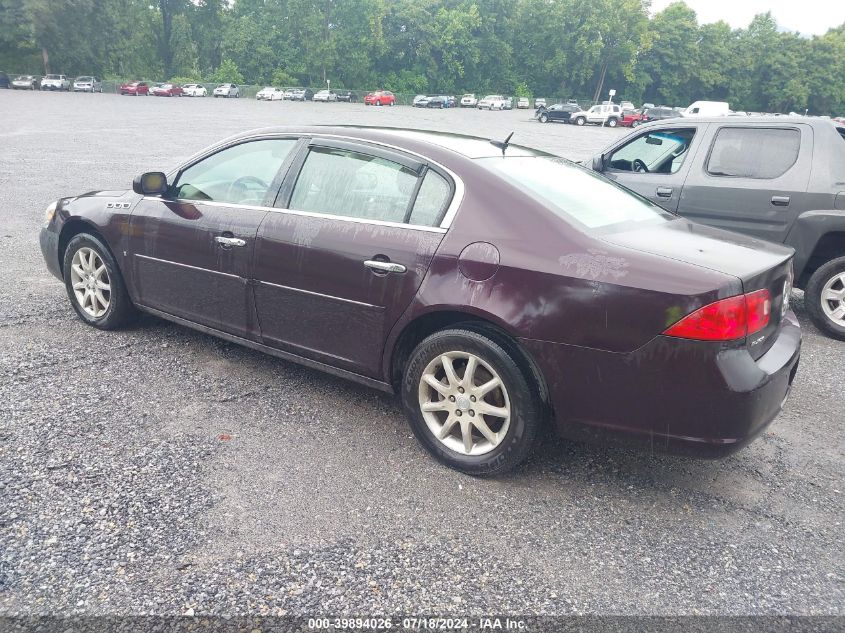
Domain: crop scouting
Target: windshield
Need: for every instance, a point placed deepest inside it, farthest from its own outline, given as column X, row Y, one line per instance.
column 85, row 79
column 576, row 194
column 52, row 77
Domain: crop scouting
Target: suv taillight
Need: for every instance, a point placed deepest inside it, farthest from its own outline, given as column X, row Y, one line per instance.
column 726, row 319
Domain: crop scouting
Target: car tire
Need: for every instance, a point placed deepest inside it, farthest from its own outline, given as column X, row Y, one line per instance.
column 612, row 122
column 544, row 118
column 84, row 256
column 580, row 120
column 635, row 124
column 517, row 395
column 827, row 280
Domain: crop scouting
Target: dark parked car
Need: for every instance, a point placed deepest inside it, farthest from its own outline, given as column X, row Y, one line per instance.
column 490, row 285
column 301, row 94
column 557, row 113
column 347, row 95
column 5, row 82
column 780, row 179
column 438, row 101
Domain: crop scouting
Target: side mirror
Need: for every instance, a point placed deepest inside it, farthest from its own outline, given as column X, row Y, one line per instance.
column 153, row 183
column 598, row 163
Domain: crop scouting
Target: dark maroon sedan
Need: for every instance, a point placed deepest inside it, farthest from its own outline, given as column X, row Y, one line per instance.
column 492, row 287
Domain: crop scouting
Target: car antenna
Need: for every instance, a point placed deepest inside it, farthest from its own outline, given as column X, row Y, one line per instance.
column 502, row 144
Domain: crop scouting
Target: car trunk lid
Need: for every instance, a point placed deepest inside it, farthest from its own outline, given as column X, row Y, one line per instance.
column 756, row 263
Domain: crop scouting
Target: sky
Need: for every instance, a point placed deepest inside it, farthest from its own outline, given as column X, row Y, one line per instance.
column 808, row 17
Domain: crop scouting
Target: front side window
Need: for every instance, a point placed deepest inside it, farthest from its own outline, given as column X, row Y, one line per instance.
column 241, row 174
column 576, row 194
column 352, row 184
column 762, row 153
column 658, row 152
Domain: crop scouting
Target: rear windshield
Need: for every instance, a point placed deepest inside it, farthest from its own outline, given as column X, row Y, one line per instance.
column 577, row 194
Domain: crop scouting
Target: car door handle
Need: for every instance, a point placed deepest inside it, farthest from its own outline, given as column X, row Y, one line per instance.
column 664, row 192
column 230, row 241
column 384, row 267
column 780, row 201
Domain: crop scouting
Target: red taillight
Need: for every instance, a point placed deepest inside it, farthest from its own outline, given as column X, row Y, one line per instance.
column 727, row 319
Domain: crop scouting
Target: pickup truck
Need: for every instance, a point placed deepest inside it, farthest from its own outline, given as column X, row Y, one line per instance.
column 778, row 178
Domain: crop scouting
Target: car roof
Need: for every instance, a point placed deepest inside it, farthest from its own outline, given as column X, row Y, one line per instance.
column 403, row 138
column 747, row 120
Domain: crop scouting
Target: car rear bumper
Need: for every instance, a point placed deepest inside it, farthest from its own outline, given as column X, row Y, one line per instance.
column 672, row 395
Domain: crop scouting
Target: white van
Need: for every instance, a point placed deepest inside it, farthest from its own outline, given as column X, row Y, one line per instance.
column 708, row 108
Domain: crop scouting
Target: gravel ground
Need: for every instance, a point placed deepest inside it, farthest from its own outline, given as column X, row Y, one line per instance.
column 157, row 470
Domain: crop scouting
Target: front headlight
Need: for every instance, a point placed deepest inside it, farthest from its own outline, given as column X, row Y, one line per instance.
column 50, row 213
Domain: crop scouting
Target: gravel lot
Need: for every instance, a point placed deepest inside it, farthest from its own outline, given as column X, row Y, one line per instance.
column 118, row 495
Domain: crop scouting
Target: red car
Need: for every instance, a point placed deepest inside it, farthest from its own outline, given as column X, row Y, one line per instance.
column 135, row 88
column 633, row 119
column 380, row 98
column 167, row 90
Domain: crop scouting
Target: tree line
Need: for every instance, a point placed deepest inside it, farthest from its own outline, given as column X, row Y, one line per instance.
column 551, row 48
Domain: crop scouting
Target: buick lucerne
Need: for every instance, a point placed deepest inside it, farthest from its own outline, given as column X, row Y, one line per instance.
column 491, row 286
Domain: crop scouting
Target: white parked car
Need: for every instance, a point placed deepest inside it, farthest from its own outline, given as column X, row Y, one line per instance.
column 55, row 82
column 25, row 82
column 194, row 90
column 523, row 103
column 325, row 95
column 494, row 102
column 227, row 90
column 469, row 101
column 608, row 114
column 539, row 102
column 87, row 83
column 269, row 93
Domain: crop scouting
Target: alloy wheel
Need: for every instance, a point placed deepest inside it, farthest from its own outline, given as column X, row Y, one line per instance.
column 464, row 403
column 833, row 299
column 90, row 281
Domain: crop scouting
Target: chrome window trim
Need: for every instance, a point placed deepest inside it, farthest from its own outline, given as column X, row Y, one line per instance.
column 445, row 223
column 308, row 214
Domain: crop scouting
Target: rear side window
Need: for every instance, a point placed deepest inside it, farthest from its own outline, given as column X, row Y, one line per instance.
column 431, row 200
column 346, row 183
column 762, row 153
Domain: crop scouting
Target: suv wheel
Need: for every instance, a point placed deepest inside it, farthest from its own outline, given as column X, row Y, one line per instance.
column 544, row 118
column 469, row 403
column 825, row 298
column 612, row 122
column 580, row 120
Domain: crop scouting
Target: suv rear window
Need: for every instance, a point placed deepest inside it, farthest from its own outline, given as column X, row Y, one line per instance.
column 762, row 153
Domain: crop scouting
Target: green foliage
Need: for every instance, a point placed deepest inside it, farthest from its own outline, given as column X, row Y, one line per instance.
column 555, row 48
column 282, row 78
column 227, row 72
